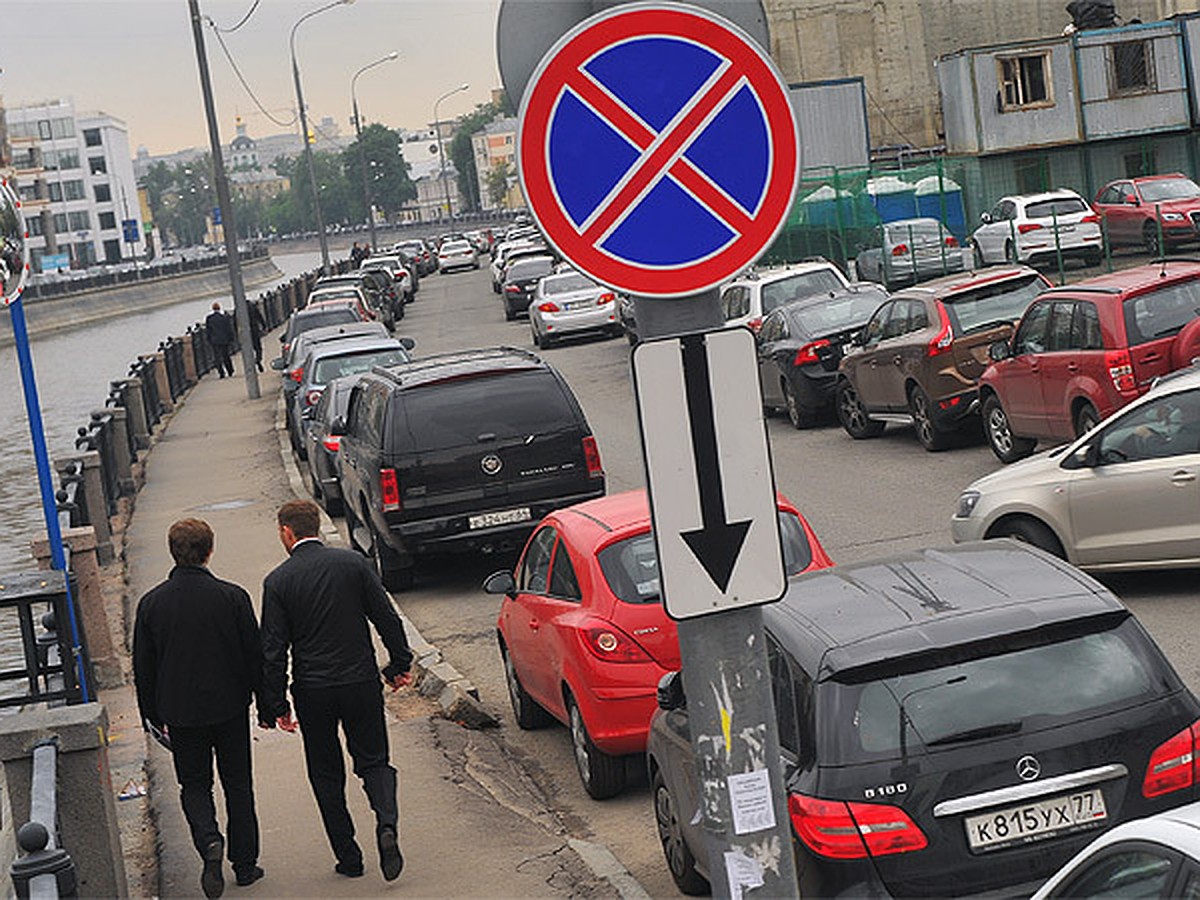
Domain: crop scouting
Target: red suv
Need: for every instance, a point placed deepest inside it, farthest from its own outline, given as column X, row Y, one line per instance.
column 1082, row 351
column 1128, row 208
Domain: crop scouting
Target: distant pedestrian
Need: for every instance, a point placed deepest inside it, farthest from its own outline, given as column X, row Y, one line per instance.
column 197, row 658
column 357, row 255
column 317, row 604
column 221, row 337
column 257, row 327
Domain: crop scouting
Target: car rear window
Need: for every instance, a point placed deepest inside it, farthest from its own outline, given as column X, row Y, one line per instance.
column 799, row 287
column 332, row 367
column 631, row 566
column 1161, row 312
column 530, row 268
column 563, row 284
column 921, row 228
column 320, row 318
column 1022, row 690
column 495, row 407
column 849, row 310
column 1059, row 206
column 457, row 247
column 992, row 304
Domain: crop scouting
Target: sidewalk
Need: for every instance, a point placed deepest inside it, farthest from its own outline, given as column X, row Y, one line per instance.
column 471, row 824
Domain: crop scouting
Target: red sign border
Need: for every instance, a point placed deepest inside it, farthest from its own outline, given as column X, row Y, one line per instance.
column 546, row 86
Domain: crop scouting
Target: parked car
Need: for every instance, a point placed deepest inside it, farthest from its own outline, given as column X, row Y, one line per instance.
column 627, row 316
column 747, row 300
column 800, row 346
column 457, row 255
column 509, row 252
column 1085, row 350
column 324, row 295
column 1124, row 495
column 378, row 288
column 953, row 721
column 302, row 320
column 1135, row 210
column 401, row 276
column 321, row 447
column 418, row 251
column 907, row 251
column 571, row 304
column 583, row 634
column 460, row 452
column 521, row 279
column 920, row 356
column 1037, row 228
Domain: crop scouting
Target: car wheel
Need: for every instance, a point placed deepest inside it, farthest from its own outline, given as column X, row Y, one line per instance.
column 537, row 339
column 931, row 437
column 1029, row 531
column 1086, row 419
column 680, row 860
column 1007, row 446
column 853, row 415
column 394, row 576
column 527, row 712
column 798, row 416
column 1150, row 239
column 1094, row 259
column 977, row 253
column 602, row 775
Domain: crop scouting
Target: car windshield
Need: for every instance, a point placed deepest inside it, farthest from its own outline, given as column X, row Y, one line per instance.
column 849, row 309
column 798, row 287
column 530, row 268
column 1161, row 312
column 631, row 566
column 1024, row 686
column 1169, row 189
column 563, row 284
column 1059, row 206
column 992, row 304
column 355, row 364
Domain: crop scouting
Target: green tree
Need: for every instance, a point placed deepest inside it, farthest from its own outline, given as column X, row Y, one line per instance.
column 387, row 172
column 497, row 183
column 462, row 154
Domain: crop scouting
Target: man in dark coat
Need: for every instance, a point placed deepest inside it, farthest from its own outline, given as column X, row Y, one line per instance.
column 220, row 335
column 197, row 658
column 257, row 327
column 317, row 604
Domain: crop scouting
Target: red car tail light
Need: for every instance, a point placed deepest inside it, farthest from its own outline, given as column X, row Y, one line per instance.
column 389, row 490
column 1172, row 764
column 332, row 442
column 609, row 643
column 1026, row 227
column 605, row 299
column 945, row 336
column 900, row 250
column 951, row 241
column 548, row 307
column 512, row 289
column 840, row 830
column 298, row 375
column 1093, row 219
column 808, row 353
column 311, row 398
column 1120, row 370
column 591, row 455
column 755, row 324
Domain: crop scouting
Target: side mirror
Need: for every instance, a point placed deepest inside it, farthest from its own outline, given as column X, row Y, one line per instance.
column 998, row 350
column 1083, row 457
column 406, row 342
column 14, row 252
column 985, row 218
column 1132, row 201
column 670, row 692
column 337, row 427
column 500, row 583
column 278, row 364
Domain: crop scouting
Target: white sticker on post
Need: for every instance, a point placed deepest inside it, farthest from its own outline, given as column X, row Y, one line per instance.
column 750, row 800
column 743, row 872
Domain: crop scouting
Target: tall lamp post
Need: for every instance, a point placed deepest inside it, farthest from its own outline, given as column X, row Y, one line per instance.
column 441, row 150
column 362, row 154
column 312, row 172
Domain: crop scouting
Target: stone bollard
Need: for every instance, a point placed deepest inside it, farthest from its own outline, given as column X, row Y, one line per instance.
column 93, row 499
column 135, row 411
column 87, row 810
column 162, row 381
column 90, row 600
column 119, row 440
column 189, row 360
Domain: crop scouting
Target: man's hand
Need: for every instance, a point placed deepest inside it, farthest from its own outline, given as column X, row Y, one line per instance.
column 286, row 723
column 398, row 681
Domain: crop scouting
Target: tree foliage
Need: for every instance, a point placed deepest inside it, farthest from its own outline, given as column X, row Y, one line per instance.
column 462, row 154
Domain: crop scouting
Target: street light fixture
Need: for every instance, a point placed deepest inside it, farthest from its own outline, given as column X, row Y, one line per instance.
column 441, row 151
column 312, row 173
column 362, row 155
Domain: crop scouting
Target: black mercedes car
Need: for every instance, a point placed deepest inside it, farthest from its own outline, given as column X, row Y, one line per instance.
column 520, row 282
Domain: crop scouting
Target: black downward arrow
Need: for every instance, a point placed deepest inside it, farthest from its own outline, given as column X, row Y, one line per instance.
column 717, row 543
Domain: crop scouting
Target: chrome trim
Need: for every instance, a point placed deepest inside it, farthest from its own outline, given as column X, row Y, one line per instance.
column 1055, row 785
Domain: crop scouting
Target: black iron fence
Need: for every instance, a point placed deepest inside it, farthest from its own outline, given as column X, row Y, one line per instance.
column 45, row 869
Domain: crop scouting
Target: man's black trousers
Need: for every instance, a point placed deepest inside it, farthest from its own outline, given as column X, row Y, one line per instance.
column 359, row 709
column 224, row 363
column 193, row 747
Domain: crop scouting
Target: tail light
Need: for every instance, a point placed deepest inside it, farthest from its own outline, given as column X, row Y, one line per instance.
column 807, row 354
column 605, row 299
column 512, row 289
column 548, row 306
column 755, row 324
column 1172, row 764
column 839, row 830
column 311, row 398
column 298, row 375
column 389, row 490
column 1026, row 227
column 332, row 442
column 591, row 456
column 1120, row 369
column 900, row 250
column 609, row 643
column 945, row 336
column 951, row 241
column 1093, row 219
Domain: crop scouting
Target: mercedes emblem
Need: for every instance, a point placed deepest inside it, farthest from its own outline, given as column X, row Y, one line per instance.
column 1028, row 768
column 491, row 464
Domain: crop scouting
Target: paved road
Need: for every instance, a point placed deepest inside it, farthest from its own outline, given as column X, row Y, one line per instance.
column 864, row 498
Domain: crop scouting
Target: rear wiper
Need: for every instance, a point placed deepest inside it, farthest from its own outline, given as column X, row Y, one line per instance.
column 975, row 734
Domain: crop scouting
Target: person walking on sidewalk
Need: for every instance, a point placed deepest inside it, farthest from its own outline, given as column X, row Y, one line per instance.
column 257, row 327
column 317, row 604
column 197, row 658
column 220, row 335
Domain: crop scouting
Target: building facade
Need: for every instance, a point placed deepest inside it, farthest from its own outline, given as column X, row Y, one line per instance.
column 495, row 150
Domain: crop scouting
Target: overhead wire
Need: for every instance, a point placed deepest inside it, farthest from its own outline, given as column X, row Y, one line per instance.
column 238, row 72
column 245, row 19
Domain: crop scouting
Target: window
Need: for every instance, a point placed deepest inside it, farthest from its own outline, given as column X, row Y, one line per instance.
column 1059, row 336
column 735, row 302
column 43, row 127
column 1131, row 67
column 62, row 128
column 97, row 165
column 563, row 582
column 1167, row 427
column 60, row 223
column 774, row 328
column 103, row 193
column 34, row 224
column 1024, row 82
column 1085, row 328
column 1032, row 174
column 535, row 569
column 993, row 304
column 785, row 699
column 1031, row 334
column 91, row 137
column 112, row 251
column 79, row 221
column 874, row 330
column 73, row 190
column 1140, row 872
column 85, row 253
column 799, row 287
column 55, row 191
column 1160, row 313
column 107, row 221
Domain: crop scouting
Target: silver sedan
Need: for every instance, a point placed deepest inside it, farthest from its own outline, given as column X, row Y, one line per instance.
column 571, row 303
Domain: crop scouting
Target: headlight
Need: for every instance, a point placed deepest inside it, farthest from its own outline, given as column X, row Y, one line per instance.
column 1172, row 217
column 966, row 504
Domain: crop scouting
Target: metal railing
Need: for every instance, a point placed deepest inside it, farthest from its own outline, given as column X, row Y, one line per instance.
column 45, row 870
column 48, row 660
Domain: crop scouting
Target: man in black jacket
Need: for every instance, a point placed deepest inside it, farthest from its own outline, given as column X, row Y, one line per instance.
column 219, row 329
column 196, row 660
column 317, row 603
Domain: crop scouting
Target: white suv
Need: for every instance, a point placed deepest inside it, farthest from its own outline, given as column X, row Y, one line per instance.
column 748, row 299
column 1021, row 228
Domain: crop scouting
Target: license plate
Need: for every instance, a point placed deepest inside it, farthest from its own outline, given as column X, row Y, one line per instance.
column 1035, row 821
column 504, row 517
column 575, row 304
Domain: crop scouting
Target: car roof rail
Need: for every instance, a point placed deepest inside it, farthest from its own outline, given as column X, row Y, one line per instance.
column 396, row 374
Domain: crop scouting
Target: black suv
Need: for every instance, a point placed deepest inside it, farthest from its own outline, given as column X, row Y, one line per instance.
column 459, row 452
column 953, row 721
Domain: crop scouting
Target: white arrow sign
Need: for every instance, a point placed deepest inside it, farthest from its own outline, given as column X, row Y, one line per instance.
column 708, row 471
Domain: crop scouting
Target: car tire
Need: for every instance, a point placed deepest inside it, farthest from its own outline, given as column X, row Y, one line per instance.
column 931, row 437
column 1086, row 419
column 1150, row 240
column 853, row 415
column 977, row 254
column 680, row 861
column 797, row 415
column 537, row 339
column 1007, row 446
column 603, row 775
column 395, row 577
column 1093, row 259
column 1029, row 531
column 527, row 712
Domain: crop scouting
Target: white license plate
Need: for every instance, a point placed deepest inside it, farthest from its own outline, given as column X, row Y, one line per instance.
column 504, row 517
column 1035, row 821
column 575, row 304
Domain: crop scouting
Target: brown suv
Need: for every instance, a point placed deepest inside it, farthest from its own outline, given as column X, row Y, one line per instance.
column 920, row 356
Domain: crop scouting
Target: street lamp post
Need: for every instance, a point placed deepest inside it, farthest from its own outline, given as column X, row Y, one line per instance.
column 312, row 172
column 441, row 151
column 368, row 198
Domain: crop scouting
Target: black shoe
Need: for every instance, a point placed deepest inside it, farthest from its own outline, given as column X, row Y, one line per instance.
column 247, row 875
column 349, row 869
column 212, row 881
column 391, row 861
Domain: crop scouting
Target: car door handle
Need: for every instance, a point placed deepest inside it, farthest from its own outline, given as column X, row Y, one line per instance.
column 897, row 360
column 1152, row 357
column 1183, row 476
column 534, row 624
column 1072, row 367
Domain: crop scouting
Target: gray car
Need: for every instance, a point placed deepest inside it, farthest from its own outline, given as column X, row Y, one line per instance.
column 907, row 251
column 571, row 303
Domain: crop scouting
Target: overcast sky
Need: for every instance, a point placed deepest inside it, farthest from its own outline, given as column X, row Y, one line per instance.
column 135, row 59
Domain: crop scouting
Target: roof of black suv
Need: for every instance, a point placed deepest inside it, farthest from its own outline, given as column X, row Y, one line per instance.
column 464, row 363
column 858, row 615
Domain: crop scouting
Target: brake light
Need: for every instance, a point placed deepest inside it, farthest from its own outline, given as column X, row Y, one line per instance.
column 389, row 490
column 945, row 336
column 755, row 324
column 605, row 299
column 840, row 830
column 548, row 306
column 808, row 353
column 298, row 375
column 951, row 241
column 591, row 456
column 332, row 442
column 512, row 289
column 900, row 250
column 1120, row 370
column 1026, row 227
column 311, row 398
column 1172, row 764
column 611, row 644
column 1093, row 219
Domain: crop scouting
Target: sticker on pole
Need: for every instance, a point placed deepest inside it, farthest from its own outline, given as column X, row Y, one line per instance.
column 657, row 149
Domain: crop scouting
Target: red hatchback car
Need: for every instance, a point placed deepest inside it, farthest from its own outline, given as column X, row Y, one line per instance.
column 583, row 633
column 1128, row 209
column 1082, row 351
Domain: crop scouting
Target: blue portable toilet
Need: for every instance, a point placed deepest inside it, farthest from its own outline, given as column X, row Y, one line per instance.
column 931, row 205
column 821, row 208
column 893, row 198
